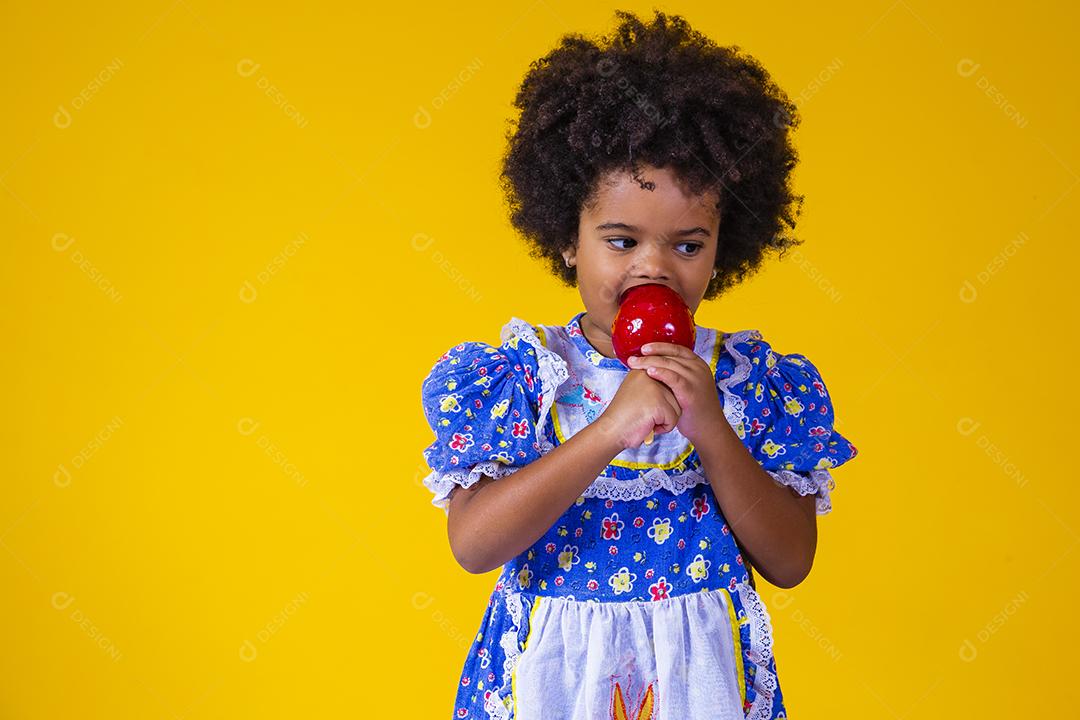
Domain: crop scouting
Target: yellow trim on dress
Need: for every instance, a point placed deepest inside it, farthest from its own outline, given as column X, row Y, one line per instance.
column 513, row 673
column 738, row 645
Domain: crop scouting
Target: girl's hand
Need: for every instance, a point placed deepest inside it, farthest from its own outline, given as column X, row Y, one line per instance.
column 691, row 381
column 641, row 406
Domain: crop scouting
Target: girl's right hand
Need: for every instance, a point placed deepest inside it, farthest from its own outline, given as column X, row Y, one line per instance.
column 641, row 405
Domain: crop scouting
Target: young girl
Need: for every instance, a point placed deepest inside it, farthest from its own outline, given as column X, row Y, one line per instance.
column 626, row 589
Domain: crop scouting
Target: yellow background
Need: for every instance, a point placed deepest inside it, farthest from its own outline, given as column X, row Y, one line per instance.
column 235, row 239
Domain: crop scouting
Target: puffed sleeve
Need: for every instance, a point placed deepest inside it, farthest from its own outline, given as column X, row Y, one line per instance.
column 488, row 406
column 780, row 408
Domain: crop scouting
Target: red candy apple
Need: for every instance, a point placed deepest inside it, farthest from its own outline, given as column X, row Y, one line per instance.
column 650, row 313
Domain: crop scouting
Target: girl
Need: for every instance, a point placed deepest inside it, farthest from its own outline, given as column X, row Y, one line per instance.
column 626, row 588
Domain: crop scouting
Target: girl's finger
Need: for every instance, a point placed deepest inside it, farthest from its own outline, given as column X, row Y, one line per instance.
column 642, row 363
column 675, row 380
column 676, row 409
column 691, row 362
column 687, row 371
column 653, row 349
column 674, row 402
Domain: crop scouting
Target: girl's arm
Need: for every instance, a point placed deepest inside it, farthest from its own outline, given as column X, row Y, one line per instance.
column 492, row 521
column 776, row 527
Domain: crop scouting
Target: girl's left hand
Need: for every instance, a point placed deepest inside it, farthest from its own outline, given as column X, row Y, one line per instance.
column 690, row 380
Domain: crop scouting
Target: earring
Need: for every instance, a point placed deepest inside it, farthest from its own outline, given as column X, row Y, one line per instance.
column 714, row 274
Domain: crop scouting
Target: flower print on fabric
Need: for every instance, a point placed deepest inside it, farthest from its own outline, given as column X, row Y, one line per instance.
column 488, row 406
column 780, row 408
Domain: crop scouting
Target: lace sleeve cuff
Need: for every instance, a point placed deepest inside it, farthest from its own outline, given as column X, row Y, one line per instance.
column 818, row 482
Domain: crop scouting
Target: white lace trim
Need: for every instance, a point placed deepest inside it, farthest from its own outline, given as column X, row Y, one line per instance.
column 498, row 705
column 734, row 405
column 759, row 652
column 609, row 488
column 442, row 484
column 818, row 481
column 552, row 372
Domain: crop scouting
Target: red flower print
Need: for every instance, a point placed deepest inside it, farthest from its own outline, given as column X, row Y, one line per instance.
column 612, row 526
column 660, row 590
column 608, row 504
column 724, row 529
column 756, row 426
column 671, row 505
column 700, row 509
column 613, row 550
column 638, row 522
column 465, row 681
column 731, row 584
column 521, row 429
column 577, row 532
column 462, row 712
column 550, row 547
column 559, row 580
column 592, row 584
column 649, row 574
column 818, row 431
column 461, row 442
column 681, row 544
column 738, row 559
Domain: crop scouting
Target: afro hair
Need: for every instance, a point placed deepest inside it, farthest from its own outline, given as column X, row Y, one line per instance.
column 664, row 95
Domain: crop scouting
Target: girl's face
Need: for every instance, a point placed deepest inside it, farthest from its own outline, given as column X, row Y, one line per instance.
column 632, row 236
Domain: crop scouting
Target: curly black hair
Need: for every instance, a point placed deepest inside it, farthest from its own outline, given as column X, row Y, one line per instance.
column 665, row 95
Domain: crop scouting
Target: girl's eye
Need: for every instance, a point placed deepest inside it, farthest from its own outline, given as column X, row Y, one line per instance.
column 694, row 247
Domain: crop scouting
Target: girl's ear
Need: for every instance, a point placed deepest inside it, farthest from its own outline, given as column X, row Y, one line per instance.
column 570, row 254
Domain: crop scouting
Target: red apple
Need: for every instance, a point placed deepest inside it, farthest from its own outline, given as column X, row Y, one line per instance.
column 650, row 313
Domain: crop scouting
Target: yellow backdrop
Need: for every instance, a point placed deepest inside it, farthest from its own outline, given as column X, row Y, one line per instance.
column 235, row 239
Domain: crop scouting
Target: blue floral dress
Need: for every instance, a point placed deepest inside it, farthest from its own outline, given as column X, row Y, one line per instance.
column 637, row 603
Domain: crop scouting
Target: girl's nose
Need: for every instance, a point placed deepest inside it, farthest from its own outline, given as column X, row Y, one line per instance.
column 650, row 264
